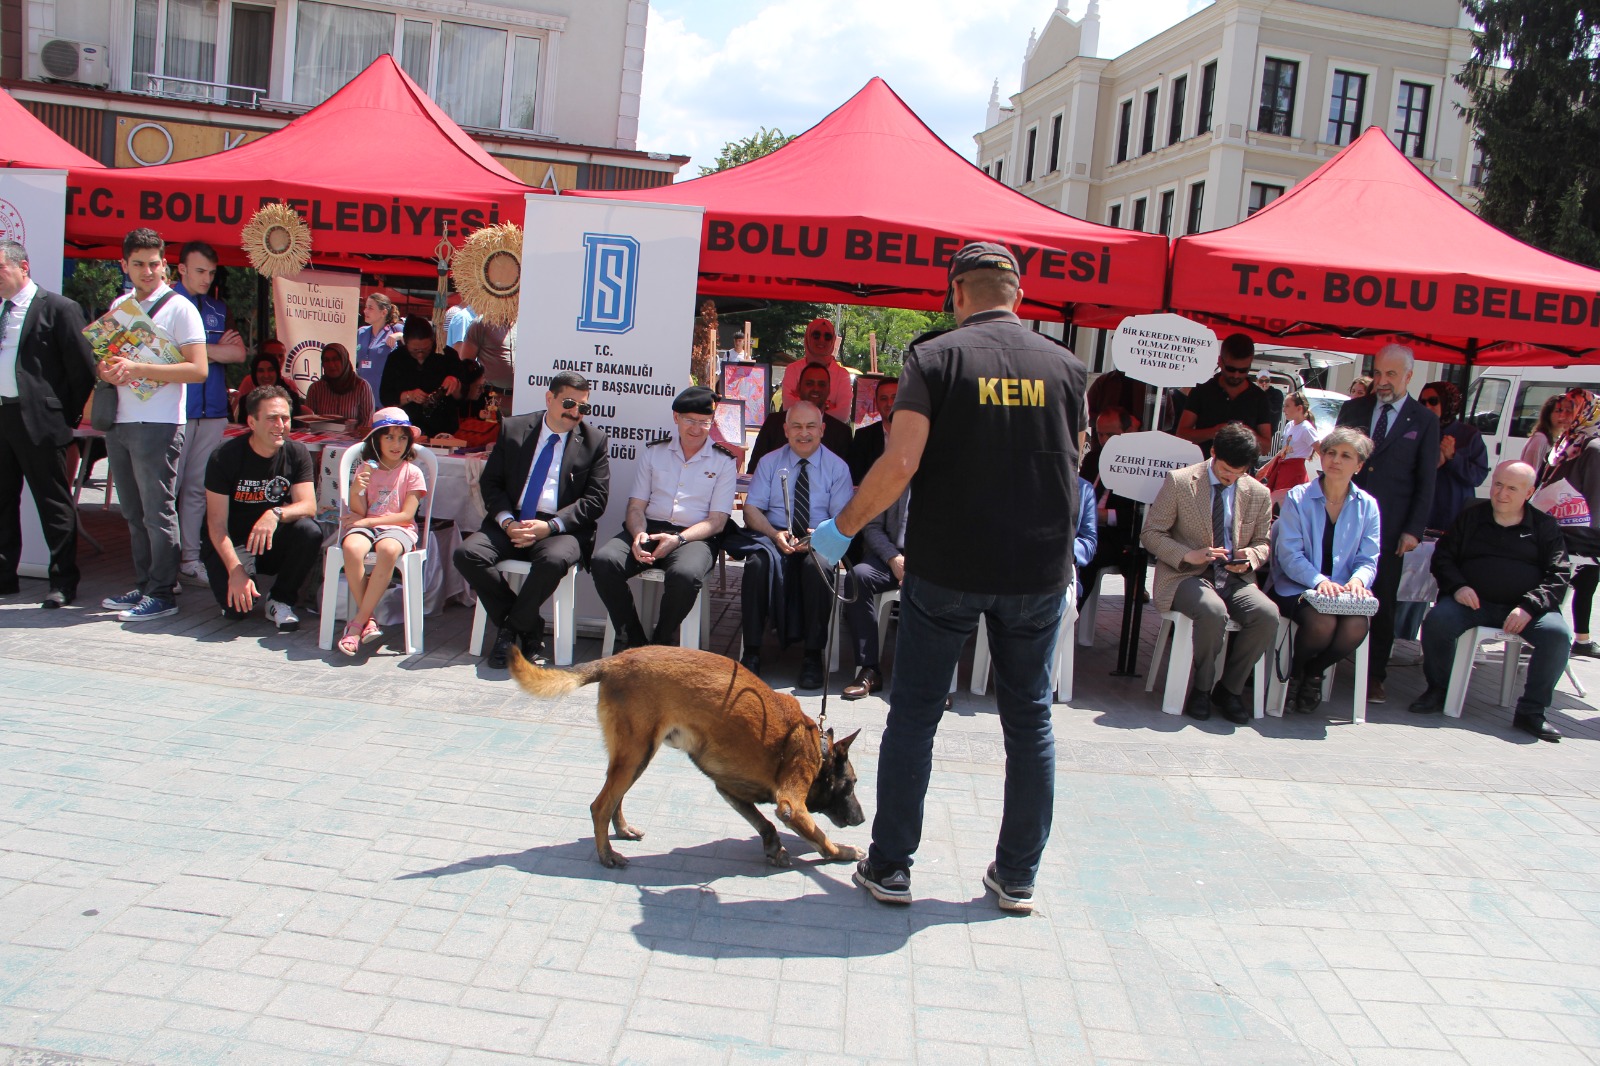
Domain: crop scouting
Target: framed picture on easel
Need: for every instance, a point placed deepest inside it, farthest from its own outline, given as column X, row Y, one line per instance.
column 864, row 411
column 751, row 385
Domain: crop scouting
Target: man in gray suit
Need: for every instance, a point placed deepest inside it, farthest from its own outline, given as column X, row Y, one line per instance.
column 1401, row 473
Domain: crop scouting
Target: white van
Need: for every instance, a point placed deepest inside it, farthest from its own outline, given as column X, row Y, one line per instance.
column 1504, row 402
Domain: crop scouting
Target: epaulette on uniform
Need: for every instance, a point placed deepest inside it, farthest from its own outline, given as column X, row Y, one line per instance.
column 725, row 449
column 659, row 442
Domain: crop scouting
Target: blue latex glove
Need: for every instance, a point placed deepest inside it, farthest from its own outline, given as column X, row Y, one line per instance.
column 828, row 543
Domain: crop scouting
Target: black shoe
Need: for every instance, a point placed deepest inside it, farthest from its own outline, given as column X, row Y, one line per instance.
column 1535, row 724
column 751, row 661
column 496, row 659
column 9, row 586
column 1231, row 705
column 666, row 637
column 532, row 645
column 1376, row 692
column 59, row 598
column 867, row 681
column 1199, row 705
column 888, row 884
column 1430, row 702
column 811, row 673
column 949, row 701
column 1586, row 649
column 1310, row 697
column 1013, row 897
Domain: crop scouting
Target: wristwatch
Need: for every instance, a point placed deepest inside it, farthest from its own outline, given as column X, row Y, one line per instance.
column 277, row 512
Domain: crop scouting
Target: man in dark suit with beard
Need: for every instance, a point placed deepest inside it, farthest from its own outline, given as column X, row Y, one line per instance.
column 1401, row 473
column 46, row 374
column 544, row 487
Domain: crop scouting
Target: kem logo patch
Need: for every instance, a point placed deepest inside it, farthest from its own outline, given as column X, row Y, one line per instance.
column 610, row 283
column 1011, row 392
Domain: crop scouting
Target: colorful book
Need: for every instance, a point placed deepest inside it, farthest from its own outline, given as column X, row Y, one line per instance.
column 127, row 332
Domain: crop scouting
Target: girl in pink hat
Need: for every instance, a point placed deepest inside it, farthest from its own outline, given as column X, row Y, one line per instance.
column 381, row 519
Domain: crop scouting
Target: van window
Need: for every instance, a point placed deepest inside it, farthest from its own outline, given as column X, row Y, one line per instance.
column 1488, row 399
column 1534, row 393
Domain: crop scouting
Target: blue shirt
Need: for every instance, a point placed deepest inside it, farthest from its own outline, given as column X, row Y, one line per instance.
column 372, row 354
column 829, row 481
column 1297, row 540
column 1088, row 534
column 1227, row 509
column 211, row 399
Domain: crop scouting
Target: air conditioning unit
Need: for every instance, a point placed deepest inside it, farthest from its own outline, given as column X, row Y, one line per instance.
column 74, row 61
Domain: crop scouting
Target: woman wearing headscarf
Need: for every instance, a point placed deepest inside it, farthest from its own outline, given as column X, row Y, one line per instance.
column 1463, row 458
column 340, row 393
column 1576, row 459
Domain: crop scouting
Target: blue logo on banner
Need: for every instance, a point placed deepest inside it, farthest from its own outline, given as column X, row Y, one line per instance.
column 610, row 282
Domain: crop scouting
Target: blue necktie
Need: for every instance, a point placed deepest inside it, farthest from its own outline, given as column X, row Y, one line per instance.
column 1381, row 430
column 541, row 473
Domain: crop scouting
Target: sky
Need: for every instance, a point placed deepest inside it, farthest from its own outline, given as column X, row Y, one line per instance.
column 717, row 70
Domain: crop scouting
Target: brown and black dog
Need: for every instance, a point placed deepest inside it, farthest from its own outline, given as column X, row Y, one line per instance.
column 756, row 745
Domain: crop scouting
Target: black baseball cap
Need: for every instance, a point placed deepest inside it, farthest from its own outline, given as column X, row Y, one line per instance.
column 978, row 255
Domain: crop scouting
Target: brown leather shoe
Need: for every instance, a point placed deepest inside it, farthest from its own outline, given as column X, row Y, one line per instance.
column 1376, row 693
column 866, row 683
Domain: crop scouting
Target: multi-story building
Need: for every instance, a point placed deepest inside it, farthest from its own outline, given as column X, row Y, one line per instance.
column 1214, row 118
column 549, row 87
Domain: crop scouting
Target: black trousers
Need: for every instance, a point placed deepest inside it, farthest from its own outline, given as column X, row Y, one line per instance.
column 1386, row 586
column 549, row 560
column 293, row 555
column 44, row 468
column 685, row 570
column 800, row 578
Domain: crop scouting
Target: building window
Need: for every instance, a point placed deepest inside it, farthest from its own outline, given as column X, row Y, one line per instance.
column 1348, row 105
column 1147, row 139
column 1114, row 218
column 480, row 75
column 1278, row 79
column 175, row 47
column 1027, row 160
column 1124, row 128
column 1261, row 194
column 1180, row 96
column 1208, row 97
column 1168, row 207
column 1139, row 206
column 1411, row 118
column 1479, row 170
column 1197, row 200
column 1000, row 170
column 1055, row 144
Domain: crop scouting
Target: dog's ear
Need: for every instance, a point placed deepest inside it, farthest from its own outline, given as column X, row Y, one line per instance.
column 841, row 749
column 829, row 735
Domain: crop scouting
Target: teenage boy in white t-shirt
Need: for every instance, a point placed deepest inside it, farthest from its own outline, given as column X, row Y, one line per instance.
column 143, row 447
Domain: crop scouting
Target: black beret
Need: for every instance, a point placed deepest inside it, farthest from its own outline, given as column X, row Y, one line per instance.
column 695, row 400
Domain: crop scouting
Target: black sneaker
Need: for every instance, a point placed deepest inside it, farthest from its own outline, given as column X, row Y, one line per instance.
column 888, row 884
column 1012, row 897
column 1586, row 649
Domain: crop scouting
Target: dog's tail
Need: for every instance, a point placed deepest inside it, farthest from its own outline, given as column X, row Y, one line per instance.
column 549, row 683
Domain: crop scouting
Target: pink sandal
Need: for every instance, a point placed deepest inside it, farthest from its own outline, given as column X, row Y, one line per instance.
column 350, row 643
column 371, row 632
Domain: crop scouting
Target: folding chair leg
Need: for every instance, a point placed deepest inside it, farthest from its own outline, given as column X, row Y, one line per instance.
column 1508, row 672
column 1460, row 673
column 1156, row 655
column 1359, row 697
column 563, row 621
column 1180, row 664
column 480, row 623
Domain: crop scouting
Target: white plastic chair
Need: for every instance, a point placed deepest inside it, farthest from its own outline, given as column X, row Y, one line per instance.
column 1278, row 691
column 335, row 590
column 886, row 599
column 1455, row 697
column 1091, row 608
column 696, row 629
column 1181, row 663
column 563, row 610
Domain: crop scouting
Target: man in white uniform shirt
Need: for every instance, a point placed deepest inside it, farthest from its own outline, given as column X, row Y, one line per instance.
column 682, row 496
column 144, row 445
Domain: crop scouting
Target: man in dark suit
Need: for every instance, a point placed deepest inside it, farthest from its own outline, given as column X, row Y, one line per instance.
column 867, row 444
column 813, row 389
column 46, row 374
column 544, row 487
column 1401, row 472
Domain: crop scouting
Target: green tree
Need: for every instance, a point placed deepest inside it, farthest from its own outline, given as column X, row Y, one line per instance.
column 760, row 143
column 896, row 328
column 1534, row 84
column 93, row 283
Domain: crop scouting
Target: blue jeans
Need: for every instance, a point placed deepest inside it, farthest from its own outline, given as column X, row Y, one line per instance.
column 1548, row 634
column 935, row 623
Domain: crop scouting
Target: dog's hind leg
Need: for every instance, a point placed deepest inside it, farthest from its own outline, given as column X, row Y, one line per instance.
column 777, row 854
column 623, row 771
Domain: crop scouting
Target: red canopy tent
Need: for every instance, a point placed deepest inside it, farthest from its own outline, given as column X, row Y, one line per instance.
column 868, row 206
column 1368, row 250
column 379, row 173
column 30, row 143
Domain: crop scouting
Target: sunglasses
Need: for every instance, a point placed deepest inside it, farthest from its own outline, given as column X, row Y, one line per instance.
column 822, row 334
column 569, row 404
column 1431, row 401
column 1237, row 371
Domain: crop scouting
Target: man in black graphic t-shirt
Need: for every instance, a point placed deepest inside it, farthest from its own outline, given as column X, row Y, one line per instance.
column 260, row 513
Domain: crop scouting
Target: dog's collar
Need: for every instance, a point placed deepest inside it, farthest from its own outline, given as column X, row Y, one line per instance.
column 826, row 747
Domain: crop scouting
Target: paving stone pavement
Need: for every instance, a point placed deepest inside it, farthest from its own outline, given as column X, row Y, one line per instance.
column 221, row 845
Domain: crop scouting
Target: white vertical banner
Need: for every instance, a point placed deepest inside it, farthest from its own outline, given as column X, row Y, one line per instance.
column 33, row 210
column 315, row 308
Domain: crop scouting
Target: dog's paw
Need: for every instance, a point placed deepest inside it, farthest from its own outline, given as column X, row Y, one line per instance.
column 613, row 861
column 779, row 857
column 847, row 853
column 628, row 832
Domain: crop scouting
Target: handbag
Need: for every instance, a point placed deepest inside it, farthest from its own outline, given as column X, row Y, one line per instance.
column 103, row 409
column 1344, row 603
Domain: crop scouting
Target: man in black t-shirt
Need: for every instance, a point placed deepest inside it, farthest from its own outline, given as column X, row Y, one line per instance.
column 1229, row 397
column 988, row 421
column 261, row 514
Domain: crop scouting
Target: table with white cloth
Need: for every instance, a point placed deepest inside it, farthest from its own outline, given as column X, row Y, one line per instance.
column 456, row 497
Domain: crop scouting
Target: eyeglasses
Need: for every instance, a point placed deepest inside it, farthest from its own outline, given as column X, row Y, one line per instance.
column 1431, row 401
column 568, row 404
column 822, row 334
column 698, row 423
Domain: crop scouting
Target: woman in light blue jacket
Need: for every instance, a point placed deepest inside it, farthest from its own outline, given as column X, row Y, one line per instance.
column 1325, row 540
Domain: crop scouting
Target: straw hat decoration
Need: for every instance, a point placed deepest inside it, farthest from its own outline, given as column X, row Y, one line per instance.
column 277, row 241
column 487, row 271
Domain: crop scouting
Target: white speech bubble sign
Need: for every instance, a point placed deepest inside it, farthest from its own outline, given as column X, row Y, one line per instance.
column 1136, row 465
column 1168, row 351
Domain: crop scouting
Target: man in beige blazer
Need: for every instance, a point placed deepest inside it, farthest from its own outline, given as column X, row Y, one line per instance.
column 1208, row 532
